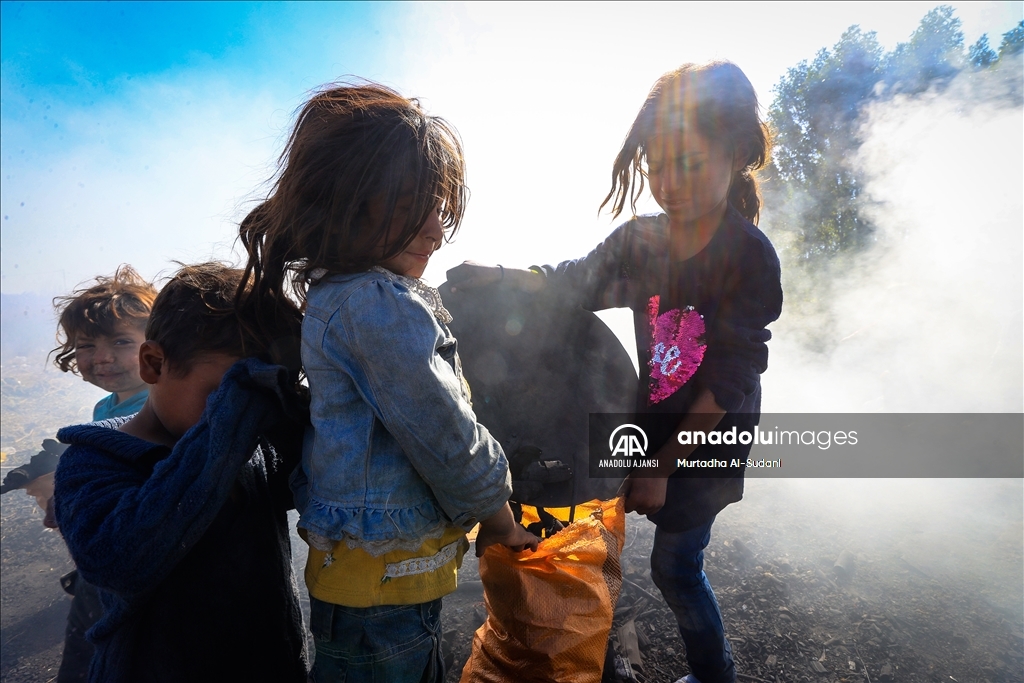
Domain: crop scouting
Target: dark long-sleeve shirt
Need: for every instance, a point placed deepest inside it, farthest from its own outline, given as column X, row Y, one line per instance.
column 189, row 546
column 699, row 323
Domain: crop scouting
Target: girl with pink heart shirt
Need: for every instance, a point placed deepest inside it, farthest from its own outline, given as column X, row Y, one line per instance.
column 703, row 284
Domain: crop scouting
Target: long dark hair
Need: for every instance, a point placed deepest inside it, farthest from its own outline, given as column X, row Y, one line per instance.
column 722, row 102
column 351, row 144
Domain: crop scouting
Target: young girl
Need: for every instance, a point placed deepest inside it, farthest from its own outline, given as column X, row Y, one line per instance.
column 703, row 283
column 396, row 469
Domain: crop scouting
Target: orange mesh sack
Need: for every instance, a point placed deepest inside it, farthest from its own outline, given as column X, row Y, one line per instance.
column 549, row 612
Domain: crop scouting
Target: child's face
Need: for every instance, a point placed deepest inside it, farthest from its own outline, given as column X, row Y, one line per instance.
column 689, row 174
column 111, row 362
column 178, row 400
column 413, row 261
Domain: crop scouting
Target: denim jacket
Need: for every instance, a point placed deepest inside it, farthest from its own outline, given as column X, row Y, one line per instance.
column 395, row 454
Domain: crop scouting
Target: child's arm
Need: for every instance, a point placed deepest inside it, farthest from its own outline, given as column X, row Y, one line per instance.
column 737, row 344
column 501, row 528
column 596, row 281
column 393, row 352
column 41, row 488
column 127, row 527
column 646, row 495
column 470, row 275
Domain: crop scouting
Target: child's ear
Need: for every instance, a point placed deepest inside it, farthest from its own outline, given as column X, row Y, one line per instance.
column 151, row 361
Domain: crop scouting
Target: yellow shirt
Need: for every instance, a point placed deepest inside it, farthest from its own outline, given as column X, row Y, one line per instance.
column 354, row 578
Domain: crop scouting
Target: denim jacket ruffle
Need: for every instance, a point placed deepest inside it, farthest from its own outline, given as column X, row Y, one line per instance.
column 395, row 454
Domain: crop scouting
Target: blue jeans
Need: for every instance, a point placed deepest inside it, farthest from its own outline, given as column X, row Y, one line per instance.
column 677, row 568
column 386, row 644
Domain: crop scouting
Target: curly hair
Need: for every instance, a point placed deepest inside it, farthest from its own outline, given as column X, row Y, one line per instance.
column 125, row 298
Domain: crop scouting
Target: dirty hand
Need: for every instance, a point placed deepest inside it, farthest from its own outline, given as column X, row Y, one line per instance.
column 501, row 528
column 470, row 274
column 41, row 488
column 50, row 518
column 517, row 540
column 645, row 495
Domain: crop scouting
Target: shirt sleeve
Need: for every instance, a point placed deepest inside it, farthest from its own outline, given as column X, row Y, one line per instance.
column 604, row 277
column 127, row 527
column 417, row 396
column 737, row 351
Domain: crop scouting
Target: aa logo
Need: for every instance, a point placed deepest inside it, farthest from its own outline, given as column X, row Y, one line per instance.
column 628, row 441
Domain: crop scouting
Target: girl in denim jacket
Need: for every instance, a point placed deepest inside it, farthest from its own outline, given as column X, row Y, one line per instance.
column 396, row 469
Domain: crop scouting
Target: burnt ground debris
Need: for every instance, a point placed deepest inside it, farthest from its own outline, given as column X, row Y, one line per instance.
column 935, row 592
column 791, row 616
column 788, row 614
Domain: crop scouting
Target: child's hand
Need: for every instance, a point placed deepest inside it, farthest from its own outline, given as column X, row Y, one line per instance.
column 41, row 488
column 501, row 528
column 645, row 495
column 517, row 540
column 470, row 275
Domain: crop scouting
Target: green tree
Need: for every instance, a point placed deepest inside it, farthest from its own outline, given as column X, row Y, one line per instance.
column 813, row 193
column 814, row 114
column 932, row 57
column 814, row 207
column 1013, row 41
column 981, row 55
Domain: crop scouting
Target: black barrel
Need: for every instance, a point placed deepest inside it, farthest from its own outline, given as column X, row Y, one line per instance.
column 537, row 369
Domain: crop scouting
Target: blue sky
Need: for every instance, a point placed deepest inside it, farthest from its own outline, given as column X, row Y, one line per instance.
column 86, row 50
column 143, row 132
column 138, row 132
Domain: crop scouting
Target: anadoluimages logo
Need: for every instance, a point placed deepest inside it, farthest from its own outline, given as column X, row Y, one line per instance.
column 628, row 441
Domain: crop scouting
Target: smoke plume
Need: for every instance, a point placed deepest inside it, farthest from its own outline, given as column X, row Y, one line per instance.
column 929, row 317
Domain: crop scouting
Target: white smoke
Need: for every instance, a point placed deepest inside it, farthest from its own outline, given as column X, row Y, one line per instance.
column 929, row 319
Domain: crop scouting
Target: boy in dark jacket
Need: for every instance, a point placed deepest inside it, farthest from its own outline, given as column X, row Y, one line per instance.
column 100, row 328
column 178, row 515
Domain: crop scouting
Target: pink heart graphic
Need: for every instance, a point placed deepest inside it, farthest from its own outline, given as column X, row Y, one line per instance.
column 677, row 348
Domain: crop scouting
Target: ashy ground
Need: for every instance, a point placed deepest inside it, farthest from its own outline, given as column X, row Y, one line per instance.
column 935, row 592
